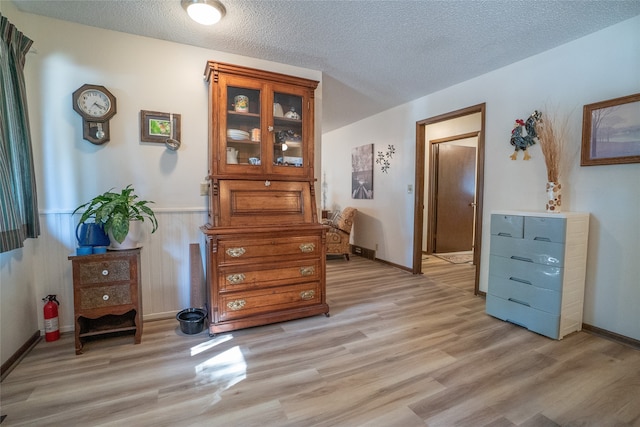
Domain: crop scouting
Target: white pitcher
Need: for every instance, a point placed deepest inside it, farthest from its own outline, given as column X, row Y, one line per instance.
column 232, row 155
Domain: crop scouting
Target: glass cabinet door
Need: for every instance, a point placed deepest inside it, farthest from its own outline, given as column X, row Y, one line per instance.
column 288, row 141
column 243, row 126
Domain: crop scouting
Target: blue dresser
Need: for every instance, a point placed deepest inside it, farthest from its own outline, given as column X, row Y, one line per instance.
column 537, row 270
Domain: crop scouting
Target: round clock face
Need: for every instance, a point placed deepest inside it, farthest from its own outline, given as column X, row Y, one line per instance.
column 94, row 103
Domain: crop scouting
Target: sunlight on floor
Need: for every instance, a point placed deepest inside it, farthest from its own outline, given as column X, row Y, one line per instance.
column 210, row 344
column 221, row 372
column 228, row 363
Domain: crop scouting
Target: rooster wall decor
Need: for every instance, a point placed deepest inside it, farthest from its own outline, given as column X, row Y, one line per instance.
column 524, row 134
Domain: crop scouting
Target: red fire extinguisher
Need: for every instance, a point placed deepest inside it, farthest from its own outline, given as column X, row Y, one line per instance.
column 51, row 329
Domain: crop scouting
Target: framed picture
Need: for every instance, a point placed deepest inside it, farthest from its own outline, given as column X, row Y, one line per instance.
column 362, row 172
column 611, row 132
column 157, row 127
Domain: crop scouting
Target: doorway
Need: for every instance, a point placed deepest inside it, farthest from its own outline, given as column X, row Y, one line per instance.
column 452, row 194
column 422, row 167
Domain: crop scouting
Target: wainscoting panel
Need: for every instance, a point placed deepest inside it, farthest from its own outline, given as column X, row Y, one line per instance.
column 164, row 262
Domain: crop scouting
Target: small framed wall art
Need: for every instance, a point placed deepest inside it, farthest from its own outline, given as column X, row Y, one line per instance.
column 362, row 172
column 611, row 132
column 158, row 127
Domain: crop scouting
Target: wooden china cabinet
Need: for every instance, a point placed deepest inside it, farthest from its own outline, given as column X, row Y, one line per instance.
column 265, row 247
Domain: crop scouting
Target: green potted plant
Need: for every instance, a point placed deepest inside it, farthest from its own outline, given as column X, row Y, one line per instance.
column 115, row 211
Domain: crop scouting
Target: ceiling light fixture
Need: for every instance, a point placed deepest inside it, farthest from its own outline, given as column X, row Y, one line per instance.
column 205, row 12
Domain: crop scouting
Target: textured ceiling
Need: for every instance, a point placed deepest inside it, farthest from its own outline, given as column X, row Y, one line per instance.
column 374, row 55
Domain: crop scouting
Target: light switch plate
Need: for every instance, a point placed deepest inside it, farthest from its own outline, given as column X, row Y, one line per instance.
column 204, row 188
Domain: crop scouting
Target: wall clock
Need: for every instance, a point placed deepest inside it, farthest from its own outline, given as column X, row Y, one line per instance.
column 96, row 105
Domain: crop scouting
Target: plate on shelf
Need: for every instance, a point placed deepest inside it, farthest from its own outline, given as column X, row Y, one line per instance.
column 113, row 248
column 237, row 134
column 288, row 160
column 277, row 110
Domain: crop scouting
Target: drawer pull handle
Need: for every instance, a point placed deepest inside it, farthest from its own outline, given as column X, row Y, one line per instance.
column 519, row 302
column 515, row 279
column 519, row 258
column 307, row 247
column 504, row 234
column 234, row 279
column 105, row 272
column 307, row 295
column 307, row 271
column 105, row 297
column 542, row 239
column 236, row 305
column 235, row 252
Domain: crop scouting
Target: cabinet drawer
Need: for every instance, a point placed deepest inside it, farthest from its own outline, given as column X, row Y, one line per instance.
column 540, row 275
column 243, row 304
column 532, row 296
column 104, row 296
column 534, row 320
column 533, row 251
column 262, row 276
column 269, row 249
column 115, row 270
column 545, row 229
column 507, row 225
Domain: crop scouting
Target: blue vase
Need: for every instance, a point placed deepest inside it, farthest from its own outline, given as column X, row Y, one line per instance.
column 91, row 234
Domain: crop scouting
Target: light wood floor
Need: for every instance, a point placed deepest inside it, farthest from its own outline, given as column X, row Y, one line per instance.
column 398, row 350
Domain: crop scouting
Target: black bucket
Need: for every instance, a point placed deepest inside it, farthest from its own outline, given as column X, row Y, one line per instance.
column 191, row 320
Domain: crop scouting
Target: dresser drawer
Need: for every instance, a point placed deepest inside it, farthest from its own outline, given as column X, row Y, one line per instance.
column 507, row 225
column 534, row 320
column 545, row 229
column 104, row 296
column 532, row 296
column 114, row 270
column 251, row 276
column 269, row 249
column 540, row 275
column 243, row 304
column 533, row 251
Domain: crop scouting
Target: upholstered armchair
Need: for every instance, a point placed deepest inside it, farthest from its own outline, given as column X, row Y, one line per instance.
column 339, row 231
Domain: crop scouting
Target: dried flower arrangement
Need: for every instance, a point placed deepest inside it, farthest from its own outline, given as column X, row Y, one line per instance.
column 552, row 136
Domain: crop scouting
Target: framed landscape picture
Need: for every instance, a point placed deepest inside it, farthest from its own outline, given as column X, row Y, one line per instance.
column 611, row 132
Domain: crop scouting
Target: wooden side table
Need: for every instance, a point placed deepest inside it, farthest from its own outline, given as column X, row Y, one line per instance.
column 107, row 295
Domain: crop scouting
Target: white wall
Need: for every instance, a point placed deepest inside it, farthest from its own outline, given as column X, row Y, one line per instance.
column 601, row 66
column 143, row 74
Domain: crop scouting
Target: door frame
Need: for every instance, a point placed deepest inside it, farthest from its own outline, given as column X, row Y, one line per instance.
column 431, row 215
column 419, row 186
